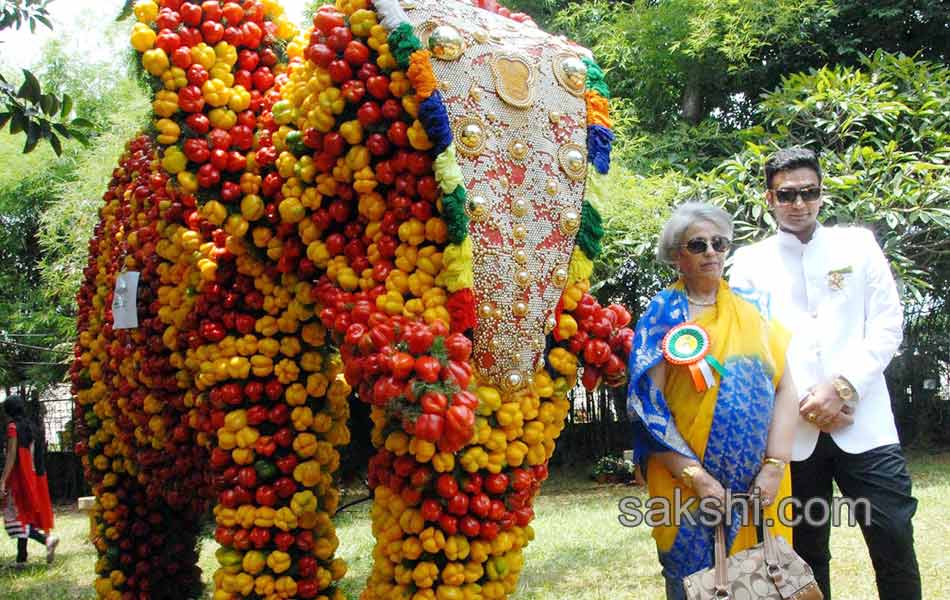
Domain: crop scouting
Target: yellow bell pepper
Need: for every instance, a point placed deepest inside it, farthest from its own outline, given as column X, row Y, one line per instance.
column 215, row 92
column 278, row 562
column 308, row 473
column 424, row 574
column 168, row 132
column 563, row 361
column 143, row 37
column 457, row 548
column 240, row 99
column 418, row 138
column 253, row 562
column 222, row 118
column 285, row 519
column 145, row 11
column 225, row 52
column 566, row 326
column 155, row 61
column 174, row 160
column 305, row 445
column 285, row 587
column 203, row 55
column 165, row 103
column 174, row 78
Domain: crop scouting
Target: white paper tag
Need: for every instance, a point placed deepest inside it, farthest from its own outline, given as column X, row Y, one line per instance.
column 124, row 312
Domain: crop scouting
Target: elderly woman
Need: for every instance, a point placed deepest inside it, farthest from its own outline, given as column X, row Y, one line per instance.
column 712, row 402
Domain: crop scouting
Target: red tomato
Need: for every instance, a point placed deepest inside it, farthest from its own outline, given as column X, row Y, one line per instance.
column 327, row 18
column 233, row 12
column 211, row 10
column 428, row 368
column 190, row 13
column 356, row 53
column 446, row 486
column 212, row 31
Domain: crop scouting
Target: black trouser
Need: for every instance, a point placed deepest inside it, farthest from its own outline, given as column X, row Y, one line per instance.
column 879, row 475
column 35, row 534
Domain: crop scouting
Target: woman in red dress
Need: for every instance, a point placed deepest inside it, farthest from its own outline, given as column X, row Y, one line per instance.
column 27, row 512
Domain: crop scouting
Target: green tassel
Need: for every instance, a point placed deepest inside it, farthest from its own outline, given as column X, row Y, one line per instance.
column 591, row 231
column 595, row 78
column 453, row 213
column 402, row 43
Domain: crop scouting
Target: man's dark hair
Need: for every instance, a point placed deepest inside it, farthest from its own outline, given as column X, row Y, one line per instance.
column 787, row 159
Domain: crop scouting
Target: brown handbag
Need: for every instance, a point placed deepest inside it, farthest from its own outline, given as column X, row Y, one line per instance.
column 767, row 571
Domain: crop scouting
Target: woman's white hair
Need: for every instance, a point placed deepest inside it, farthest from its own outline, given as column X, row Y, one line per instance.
column 685, row 215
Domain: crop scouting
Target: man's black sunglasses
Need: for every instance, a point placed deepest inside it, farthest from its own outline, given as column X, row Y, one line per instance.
column 790, row 195
column 699, row 245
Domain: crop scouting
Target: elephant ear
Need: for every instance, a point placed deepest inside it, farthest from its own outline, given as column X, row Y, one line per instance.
column 517, row 103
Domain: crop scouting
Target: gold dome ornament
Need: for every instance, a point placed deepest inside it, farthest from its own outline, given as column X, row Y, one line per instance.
column 519, row 308
column 513, row 380
column 519, row 207
column 471, row 135
column 520, row 256
column 523, row 278
column 446, row 43
column 570, row 221
column 571, row 72
column 573, row 160
column 519, row 232
column 477, row 207
column 518, row 150
column 559, row 276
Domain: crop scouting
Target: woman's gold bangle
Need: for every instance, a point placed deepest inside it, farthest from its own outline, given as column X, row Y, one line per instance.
column 688, row 472
column 778, row 462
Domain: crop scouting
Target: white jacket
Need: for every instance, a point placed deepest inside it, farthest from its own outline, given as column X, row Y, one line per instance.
column 837, row 296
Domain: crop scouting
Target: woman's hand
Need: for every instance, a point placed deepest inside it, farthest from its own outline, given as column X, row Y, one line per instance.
column 767, row 482
column 706, row 486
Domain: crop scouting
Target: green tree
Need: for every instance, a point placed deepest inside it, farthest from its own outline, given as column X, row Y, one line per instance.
column 28, row 109
column 688, row 60
column 883, row 135
column 48, row 207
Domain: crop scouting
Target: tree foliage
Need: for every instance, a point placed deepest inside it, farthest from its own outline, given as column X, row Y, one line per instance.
column 27, row 109
column 690, row 59
column 48, row 207
column 883, row 134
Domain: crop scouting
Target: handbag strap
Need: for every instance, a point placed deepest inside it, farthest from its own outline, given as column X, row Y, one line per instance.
column 770, row 556
column 722, row 572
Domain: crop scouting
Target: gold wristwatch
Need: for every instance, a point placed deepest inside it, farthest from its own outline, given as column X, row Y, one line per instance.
column 688, row 472
column 844, row 388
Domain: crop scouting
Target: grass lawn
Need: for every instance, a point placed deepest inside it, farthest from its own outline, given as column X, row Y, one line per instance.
column 581, row 551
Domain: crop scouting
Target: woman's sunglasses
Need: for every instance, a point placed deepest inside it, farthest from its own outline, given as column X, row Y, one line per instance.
column 699, row 245
column 790, row 195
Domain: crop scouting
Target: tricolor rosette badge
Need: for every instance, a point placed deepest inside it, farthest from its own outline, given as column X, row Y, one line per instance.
column 687, row 345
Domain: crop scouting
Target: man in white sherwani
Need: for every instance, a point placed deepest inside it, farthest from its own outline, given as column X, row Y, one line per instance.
column 833, row 289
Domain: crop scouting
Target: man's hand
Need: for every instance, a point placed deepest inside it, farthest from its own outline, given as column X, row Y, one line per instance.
column 821, row 405
column 841, row 420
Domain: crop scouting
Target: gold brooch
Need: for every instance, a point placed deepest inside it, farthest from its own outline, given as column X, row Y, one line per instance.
column 515, row 78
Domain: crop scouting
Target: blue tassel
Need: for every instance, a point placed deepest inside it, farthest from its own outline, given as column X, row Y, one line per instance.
column 599, row 142
column 435, row 120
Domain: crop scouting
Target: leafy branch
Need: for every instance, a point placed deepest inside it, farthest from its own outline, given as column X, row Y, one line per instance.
column 28, row 110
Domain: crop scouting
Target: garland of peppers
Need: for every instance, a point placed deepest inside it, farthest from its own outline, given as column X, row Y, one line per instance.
column 299, row 231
